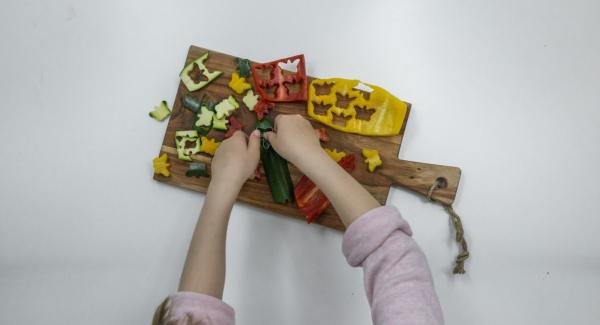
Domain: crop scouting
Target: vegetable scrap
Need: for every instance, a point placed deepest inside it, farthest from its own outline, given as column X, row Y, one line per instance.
column 160, row 112
column 193, row 83
column 209, row 146
column 238, row 84
column 226, row 107
column 323, row 136
column 234, row 125
column 309, row 199
column 262, row 108
column 197, row 170
column 275, row 167
column 334, row 154
column 375, row 113
column 181, row 140
column 243, row 67
column 161, row 165
column 250, row 100
column 372, row 158
column 275, row 84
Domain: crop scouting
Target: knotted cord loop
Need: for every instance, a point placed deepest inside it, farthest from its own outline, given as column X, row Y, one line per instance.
column 463, row 255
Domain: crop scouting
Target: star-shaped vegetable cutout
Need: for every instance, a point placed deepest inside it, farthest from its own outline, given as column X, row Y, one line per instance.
column 372, row 158
column 161, row 165
column 209, row 146
column 238, row 84
column 334, row 154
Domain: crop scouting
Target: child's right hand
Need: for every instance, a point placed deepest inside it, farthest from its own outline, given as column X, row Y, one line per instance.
column 294, row 139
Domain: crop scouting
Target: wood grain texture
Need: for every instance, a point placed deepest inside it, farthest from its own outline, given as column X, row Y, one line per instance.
column 415, row 176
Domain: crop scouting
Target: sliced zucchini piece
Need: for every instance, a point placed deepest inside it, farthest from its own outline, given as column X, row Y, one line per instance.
column 161, row 111
column 250, row 99
column 181, row 140
column 205, row 117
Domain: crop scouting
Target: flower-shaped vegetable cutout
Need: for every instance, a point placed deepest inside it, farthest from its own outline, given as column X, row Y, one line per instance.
column 334, row 154
column 238, row 84
column 209, row 146
column 371, row 158
column 161, row 165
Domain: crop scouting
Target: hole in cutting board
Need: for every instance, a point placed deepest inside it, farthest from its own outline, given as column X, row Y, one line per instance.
column 442, row 182
column 342, row 101
column 196, row 74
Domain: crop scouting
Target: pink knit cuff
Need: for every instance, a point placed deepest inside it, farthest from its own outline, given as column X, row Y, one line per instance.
column 368, row 232
column 199, row 309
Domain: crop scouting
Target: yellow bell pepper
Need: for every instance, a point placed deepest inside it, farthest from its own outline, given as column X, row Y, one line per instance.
column 372, row 158
column 334, row 154
column 209, row 146
column 388, row 113
column 161, row 166
column 238, row 84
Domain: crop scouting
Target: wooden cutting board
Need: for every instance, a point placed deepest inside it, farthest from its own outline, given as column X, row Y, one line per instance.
column 412, row 175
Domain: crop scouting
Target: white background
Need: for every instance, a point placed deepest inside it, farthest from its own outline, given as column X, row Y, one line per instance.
column 507, row 90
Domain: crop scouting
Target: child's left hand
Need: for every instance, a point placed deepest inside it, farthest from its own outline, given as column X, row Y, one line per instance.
column 236, row 159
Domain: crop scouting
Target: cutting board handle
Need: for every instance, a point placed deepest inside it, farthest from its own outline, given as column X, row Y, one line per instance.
column 419, row 177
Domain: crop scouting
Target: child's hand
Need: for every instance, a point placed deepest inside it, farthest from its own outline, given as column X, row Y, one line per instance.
column 294, row 139
column 236, row 160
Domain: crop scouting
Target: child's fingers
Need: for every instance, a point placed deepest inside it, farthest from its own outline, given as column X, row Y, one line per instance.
column 254, row 148
column 271, row 137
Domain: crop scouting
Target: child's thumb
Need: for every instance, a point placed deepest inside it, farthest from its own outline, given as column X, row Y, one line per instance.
column 254, row 146
column 271, row 137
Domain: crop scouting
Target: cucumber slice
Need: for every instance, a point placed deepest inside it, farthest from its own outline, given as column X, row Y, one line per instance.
column 205, row 117
column 220, row 123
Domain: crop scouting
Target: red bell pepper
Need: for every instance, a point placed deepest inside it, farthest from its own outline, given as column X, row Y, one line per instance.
column 234, row 125
column 323, row 136
column 310, row 200
column 262, row 108
column 280, row 81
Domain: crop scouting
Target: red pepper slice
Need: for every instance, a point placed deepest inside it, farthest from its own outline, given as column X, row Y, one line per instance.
column 281, row 81
column 262, row 108
column 234, row 125
column 310, row 200
column 323, row 136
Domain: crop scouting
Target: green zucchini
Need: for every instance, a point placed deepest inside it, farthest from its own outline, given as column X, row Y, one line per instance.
column 276, row 168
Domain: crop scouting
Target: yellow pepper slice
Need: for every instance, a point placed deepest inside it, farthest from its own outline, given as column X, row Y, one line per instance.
column 388, row 114
column 334, row 154
column 372, row 158
column 238, row 84
column 209, row 146
column 161, row 165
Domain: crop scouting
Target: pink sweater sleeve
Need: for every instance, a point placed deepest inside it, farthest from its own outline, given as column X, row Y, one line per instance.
column 397, row 280
column 184, row 308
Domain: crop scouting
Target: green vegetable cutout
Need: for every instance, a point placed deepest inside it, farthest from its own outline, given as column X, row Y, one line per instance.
column 250, row 99
column 181, row 140
column 226, row 107
column 220, row 123
column 197, row 170
column 205, row 117
column 160, row 112
column 189, row 82
column 243, row 67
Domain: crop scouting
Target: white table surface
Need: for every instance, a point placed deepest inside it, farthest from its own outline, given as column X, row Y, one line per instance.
column 507, row 90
